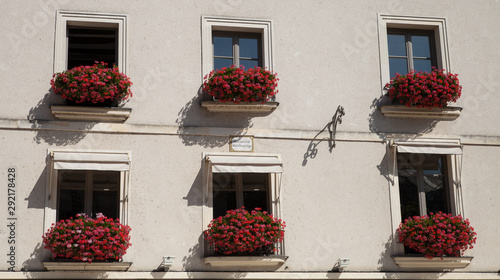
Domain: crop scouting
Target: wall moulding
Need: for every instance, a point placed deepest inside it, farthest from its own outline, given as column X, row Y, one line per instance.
column 402, row 111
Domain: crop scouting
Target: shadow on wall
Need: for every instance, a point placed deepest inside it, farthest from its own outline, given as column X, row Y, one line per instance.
column 386, row 263
column 34, row 263
column 36, row 198
column 383, row 125
column 312, row 148
column 39, row 116
column 195, row 195
column 195, row 254
column 192, row 116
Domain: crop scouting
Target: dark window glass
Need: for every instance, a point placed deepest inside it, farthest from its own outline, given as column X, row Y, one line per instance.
column 89, row 192
column 236, row 49
column 410, row 49
column 234, row 190
column 87, row 45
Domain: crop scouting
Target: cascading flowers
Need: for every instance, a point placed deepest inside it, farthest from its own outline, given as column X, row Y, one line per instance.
column 92, row 84
column 87, row 239
column 425, row 90
column 437, row 235
column 243, row 232
column 232, row 84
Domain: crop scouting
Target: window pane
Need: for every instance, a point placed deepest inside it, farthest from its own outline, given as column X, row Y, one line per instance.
column 424, row 65
column 71, row 197
column 249, row 63
column 87, row 45
column 224, row 193
column 222, row 62
column 398, row 65
column 397, row 44
column 408, row 185
column 223, row 46
column 105, row 194
column 255, row 190
column 421, row 46
column 434, row 184
column 249, row 47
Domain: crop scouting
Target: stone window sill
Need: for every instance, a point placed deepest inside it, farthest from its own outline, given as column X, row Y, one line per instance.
column 246, row 261
column 85, row 266
column 402, row 111
column 94, row 114
column 242, row 107
column 435, row 263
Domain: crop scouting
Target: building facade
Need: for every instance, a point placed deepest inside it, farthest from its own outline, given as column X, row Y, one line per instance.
column 329, row 154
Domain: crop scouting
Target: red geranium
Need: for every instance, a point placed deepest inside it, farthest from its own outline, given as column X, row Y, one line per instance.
column 96, row 84
column 437, row 235
column 87, row 239
column 237, row 84
column 240, row 231
column 424, row 89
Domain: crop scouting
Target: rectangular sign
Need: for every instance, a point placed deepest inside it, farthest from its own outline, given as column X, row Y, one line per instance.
column 241, row 143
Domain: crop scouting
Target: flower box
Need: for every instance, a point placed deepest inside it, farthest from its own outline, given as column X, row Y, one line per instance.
column 96, row 85
column 242, row 107
column 246, row 261
column 434, row 263
column 91, row 114
column 435, row 113
column 85, row 266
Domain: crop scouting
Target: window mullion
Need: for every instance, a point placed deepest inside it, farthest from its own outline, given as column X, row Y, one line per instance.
column 236, row 51
column 421, row 190
column 409, row 52
column 89, row 178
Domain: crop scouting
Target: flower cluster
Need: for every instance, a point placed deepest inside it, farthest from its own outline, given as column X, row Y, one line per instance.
column 87, row 239
column 237, row 84
column 424, row 89
column 95, row 84
column 240, row 231
column 437, row 235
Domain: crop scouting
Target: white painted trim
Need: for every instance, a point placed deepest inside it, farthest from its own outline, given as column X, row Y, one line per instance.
column 242, row 107
column 211, row 23
column 438, row 24
column 435, row 263
column 92, row 114
column 65, row 18
column 324, row 275
column 246, row 261
column 435, row 113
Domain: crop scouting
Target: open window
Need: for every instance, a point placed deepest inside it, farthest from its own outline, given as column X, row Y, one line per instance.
column 236, row 180
column 426, row 178
column 87, row 182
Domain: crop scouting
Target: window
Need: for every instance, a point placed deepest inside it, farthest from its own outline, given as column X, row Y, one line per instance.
column 237, row 49
column 426, row 178
column 234, row 190
column 235, row 180
column 87, row 182
column 410, row 50
column 227, row 41
column 411, row 43
column 89, row 192
column 83, row 38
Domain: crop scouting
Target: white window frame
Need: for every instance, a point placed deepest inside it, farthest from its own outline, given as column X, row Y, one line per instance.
column 436, row 24
column 451, row 148
column 212, row 23
column 88, row 19
column 86, row 160
column 236, row 160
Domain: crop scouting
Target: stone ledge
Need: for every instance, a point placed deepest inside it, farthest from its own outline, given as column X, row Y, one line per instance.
column 436, row 113
column 95, row 114
column 435, row 263
column 246, row 261
column 85, row 266
column 242, row 107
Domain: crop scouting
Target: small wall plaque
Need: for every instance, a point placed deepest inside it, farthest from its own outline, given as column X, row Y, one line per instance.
column 241, row 143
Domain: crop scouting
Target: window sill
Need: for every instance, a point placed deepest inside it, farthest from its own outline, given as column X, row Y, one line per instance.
column 242, row 107
column 246, row 261
column 95, row 114
column 436, row 263
column 85, row 266
column 402, row 111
